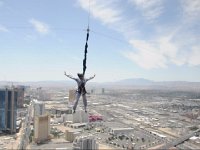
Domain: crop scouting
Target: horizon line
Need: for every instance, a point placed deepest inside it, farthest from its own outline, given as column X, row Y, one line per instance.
column 10, row 81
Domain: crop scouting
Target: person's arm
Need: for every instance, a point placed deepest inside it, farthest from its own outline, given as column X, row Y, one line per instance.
column 69, row 76
column 90, row 78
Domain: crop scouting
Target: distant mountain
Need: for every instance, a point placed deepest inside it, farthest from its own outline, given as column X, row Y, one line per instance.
column 135, row 81
column 126, row 83
column 182, row 85
column 140, row 83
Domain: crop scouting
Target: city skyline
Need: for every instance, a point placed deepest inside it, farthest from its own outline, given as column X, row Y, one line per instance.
column 155, row 40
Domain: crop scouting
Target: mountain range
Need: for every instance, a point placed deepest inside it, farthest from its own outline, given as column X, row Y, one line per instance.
column 126, row 83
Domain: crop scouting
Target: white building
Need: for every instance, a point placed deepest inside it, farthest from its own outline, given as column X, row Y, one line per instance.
column 37, row 108
column 120, row 130
column 79, row 117
column 85, row 142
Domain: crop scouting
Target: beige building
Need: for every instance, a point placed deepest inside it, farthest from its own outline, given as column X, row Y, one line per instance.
column 70, row 135
column 41, row 128
column 72, row 96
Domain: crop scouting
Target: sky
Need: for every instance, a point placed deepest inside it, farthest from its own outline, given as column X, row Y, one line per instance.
column 152, row 39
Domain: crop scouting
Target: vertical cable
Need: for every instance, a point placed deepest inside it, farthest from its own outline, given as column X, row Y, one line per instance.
column 86, row 44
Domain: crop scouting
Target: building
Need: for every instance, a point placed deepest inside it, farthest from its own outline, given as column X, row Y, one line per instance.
column 72, row 94
column 79, row 117
column 20, row 97
column 38, row 108
column 8, row 109
column 71, row 98
column 116, row 131
column 85, row 142
column 70, row 135
column 41, row 128
column 102, row 91
column 76, row 125
column 60, row 111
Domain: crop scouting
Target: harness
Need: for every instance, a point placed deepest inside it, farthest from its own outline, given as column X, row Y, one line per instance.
column 81, row 88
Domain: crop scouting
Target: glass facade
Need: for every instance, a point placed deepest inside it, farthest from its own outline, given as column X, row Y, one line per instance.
column 9, row 119
column 9, row 115
column 9, row 100
column 2, row 110
column 8, row 110
column 2, row 120
column 15, row 109
column 2, row 99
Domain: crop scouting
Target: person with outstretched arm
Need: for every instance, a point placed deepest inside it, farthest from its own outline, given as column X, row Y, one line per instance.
column 81, row 82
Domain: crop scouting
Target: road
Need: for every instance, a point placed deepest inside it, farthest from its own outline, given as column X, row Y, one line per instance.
column 180, row 140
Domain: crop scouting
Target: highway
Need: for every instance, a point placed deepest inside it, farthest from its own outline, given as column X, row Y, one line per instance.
column 180, row 140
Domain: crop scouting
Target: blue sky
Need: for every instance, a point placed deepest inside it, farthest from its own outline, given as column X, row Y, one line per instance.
column 152, row 39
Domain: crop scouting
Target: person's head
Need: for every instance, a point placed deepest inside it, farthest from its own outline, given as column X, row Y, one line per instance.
column 80, row 75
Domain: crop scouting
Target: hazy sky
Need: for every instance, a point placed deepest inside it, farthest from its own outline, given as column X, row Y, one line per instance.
column 153, row 39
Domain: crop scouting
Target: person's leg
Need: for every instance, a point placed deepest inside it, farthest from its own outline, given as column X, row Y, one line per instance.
column 76, row 102
column 85, row 102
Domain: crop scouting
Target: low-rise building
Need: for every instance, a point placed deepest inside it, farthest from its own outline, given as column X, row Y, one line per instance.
column 79, row 117
column 116, row 131
column 85, row 142
column 70, row 135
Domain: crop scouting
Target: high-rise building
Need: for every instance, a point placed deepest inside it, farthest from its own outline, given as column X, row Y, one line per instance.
column 43, row 95
column 41, row 128
column 20, row 97
column 8, row 109
column 72, row 97
column 85, row 142
column 38, row 108
column 72, row 94
column 102, row 90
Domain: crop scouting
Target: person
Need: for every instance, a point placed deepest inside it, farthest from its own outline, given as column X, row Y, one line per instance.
column 81, row 82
